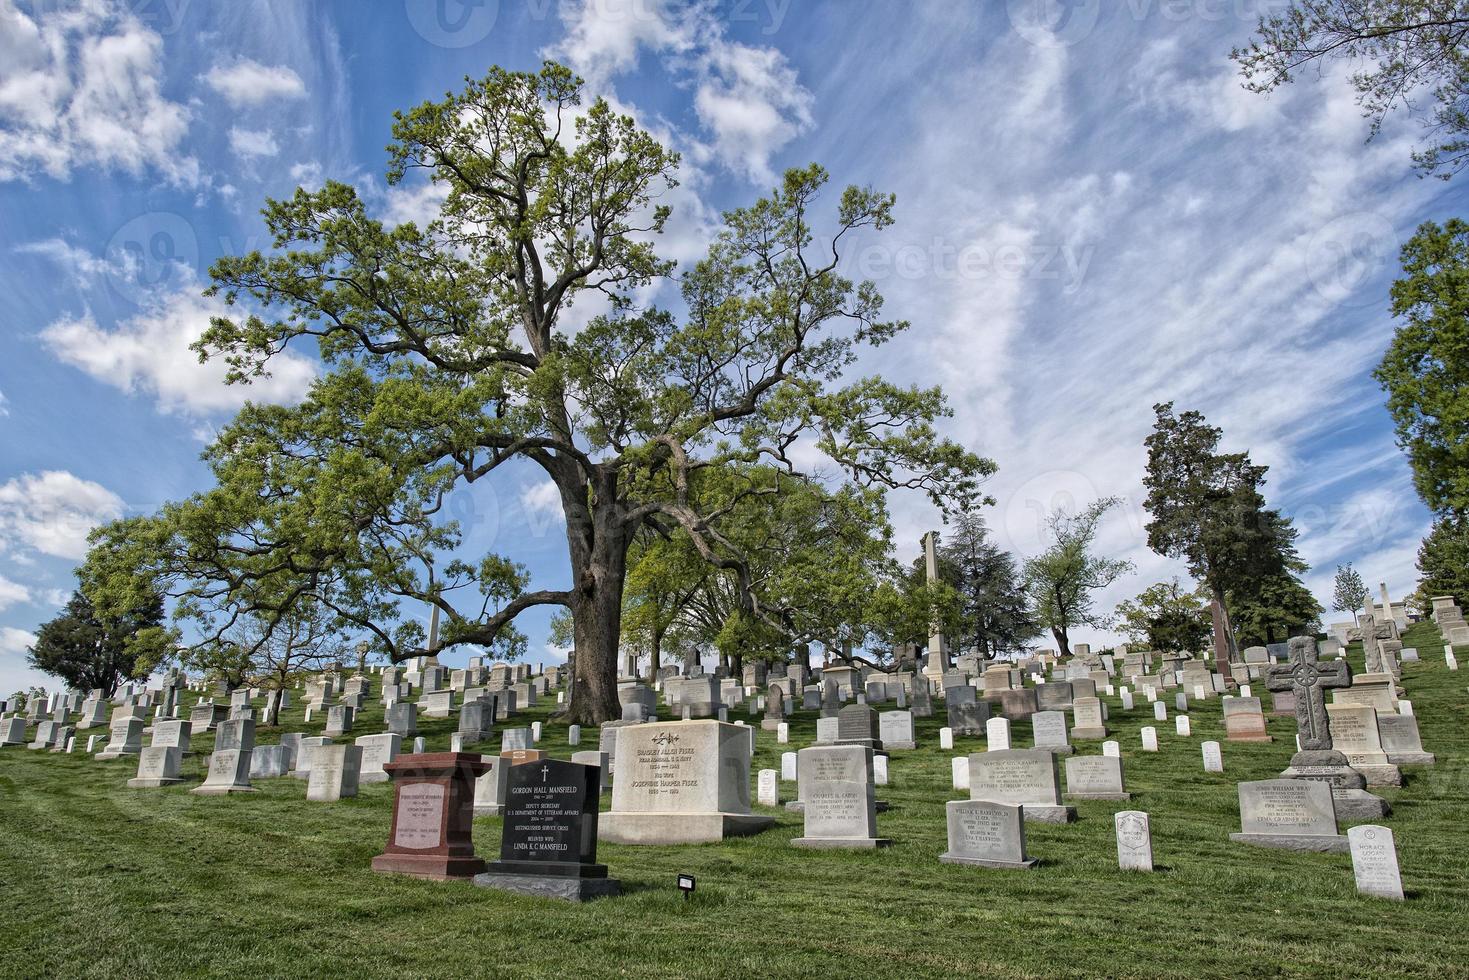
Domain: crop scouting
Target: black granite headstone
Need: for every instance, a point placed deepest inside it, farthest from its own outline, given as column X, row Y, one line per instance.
column 549, row 842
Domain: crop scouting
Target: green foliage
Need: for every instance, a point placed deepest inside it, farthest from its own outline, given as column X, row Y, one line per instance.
column 1425, row 371
column 447, row 359
column 1348, row 590
column 1060, row 580
column 88, row 649
column 1273, row 609
column 1443, row 562
column 995, row 615
column 1404, row 53
column 1207, row 509
column 1165, row 616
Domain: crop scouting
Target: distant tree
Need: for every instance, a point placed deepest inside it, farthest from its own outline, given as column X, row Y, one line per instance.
column 89, row 651
column 1274, row 609
column 1207, row 509
column 1060, row 580
column 1349, row 591
column 995, row 616
column 1166, row 616
column 664, row 574
column 1425, row 371
column 1420, row 55
column 1443, row 562
column 274, row 651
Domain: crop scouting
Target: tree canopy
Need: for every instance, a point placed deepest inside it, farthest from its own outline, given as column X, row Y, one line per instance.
column 89, row 650
column 1166, row 616
column 449, row 353
column 1425, row 371
column 1443, row 562
column 1348, row 590
column 1206, row 508
column 1060, row 580
column 1404, row 54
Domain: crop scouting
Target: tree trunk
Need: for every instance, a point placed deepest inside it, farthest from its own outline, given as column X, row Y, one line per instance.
column 1229, row 641
column 1062, row 641
column 598, row 543
column 655, row 657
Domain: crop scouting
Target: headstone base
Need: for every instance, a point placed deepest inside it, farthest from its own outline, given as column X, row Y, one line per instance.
column 679, row 828
column 979, row 863
column 544, row 886
column 153, row 783
column 1411, row 758
column 222, row 790
column 904, row 746
column 1388, row 775
column 771, row 724
column 107, row 756
column 1097, row 796
column 489, row 809
column 1334, row 843
column 1057, row 750
column 1048, row 814
column 1089, row 733
column 1358, row 804
column 841, row 843
column 435, row 867
column 1249, row 738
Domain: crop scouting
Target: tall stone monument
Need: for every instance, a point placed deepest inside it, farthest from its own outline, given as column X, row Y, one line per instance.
column 938, row 655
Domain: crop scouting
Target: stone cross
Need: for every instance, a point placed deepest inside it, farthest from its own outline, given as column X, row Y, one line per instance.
column 1371, row 652
column 1309, row 680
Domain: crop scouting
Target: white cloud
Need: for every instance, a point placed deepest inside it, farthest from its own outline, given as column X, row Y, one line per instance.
column 541, row 501
column 82, row 266
column 748, row 99
column 82, row 87
column 13, row 641
column 253, row 143
column 52, row 513
column 4, row 405
column 12, row 592
column 249, row 83
column 752, row 104
column 149, row 354
column 15, row 673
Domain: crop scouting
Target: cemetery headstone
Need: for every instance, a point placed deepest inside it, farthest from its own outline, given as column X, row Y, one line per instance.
column 986, row 834
column 1292, row 814
column 1134, row 840
column 433, row 816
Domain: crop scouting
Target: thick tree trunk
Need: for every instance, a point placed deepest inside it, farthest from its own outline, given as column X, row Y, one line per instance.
column 1063, row 642
column 1229, row 641
column 598, row 544
column 655, row 657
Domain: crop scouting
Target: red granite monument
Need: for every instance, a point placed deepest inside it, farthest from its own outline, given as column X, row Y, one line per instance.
column 433, row 816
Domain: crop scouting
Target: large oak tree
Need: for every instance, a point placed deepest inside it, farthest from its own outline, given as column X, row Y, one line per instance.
column 449, row 356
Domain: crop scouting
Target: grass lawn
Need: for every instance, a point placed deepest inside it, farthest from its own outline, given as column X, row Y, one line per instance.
column 105, row 881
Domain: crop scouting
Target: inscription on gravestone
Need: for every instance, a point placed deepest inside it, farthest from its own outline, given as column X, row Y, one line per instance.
column 420, row 816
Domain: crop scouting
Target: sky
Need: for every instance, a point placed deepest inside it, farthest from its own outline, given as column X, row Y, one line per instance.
column 1092, row 216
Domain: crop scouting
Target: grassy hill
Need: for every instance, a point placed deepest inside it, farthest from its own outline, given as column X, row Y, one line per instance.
column 105, row 881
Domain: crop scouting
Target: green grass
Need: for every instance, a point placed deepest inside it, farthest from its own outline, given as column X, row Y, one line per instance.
column 104, row 881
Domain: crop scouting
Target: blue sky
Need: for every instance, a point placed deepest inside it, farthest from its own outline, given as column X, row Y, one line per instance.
column 1092, row 217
